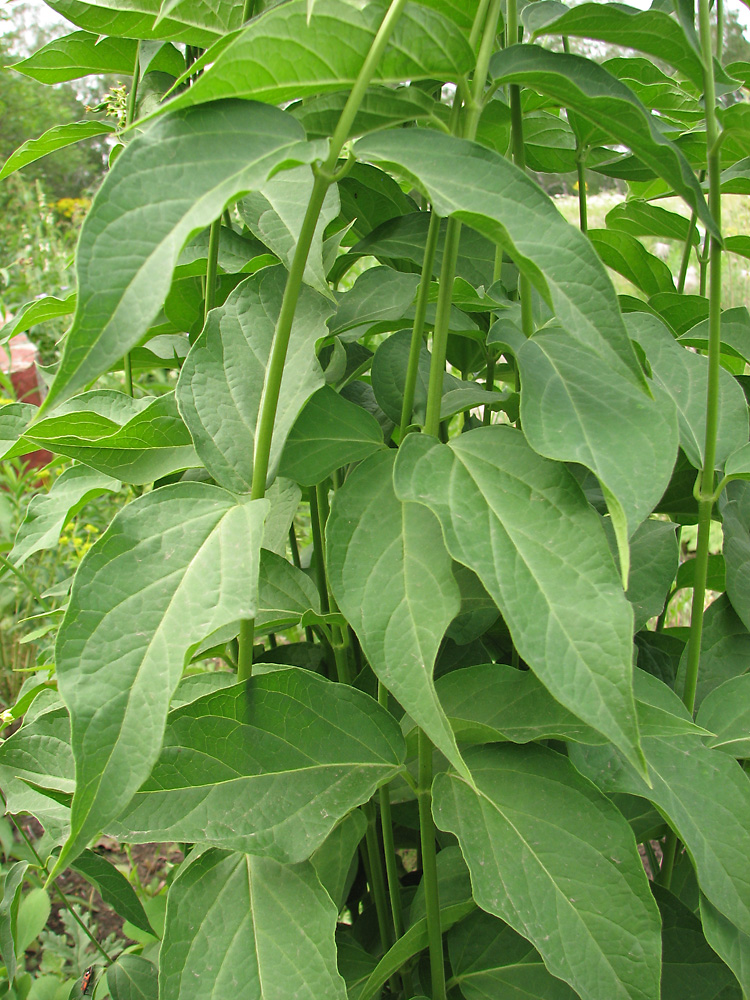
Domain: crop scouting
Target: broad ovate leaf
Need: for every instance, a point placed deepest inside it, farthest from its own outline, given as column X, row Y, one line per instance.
column 391, row 576
column 521, row 523
column 174, row 566
column 166, row 185
column 249, row 928
column 540, row 840
column 481, row 188
column 221, row 382
column 281, row 55
column 268, row 767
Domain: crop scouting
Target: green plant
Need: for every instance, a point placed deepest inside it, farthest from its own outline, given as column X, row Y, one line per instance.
column 439, row 791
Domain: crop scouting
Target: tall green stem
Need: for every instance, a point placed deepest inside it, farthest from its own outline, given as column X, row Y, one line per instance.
column 129, row 119
column 705, row 490
column 389, row 849
column 212, row 266
column 318, row 533
column 519, row 158
column 324, row 177
column 429, row 867
column 582, row 201
column 417, row 330
column 685, row 261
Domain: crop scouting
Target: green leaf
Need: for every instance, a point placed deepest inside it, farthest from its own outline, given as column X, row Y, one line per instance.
column 392, row 578
column 487, row 703
column 251, row 928
column 705, row 797
column 284, row 497
column 33, row 914
column 215, row 15
column 54, row 138
column 565, row 850
column 329, row 432
column 269, row 766
column 734, row 330
column 134, row 440
column 279, row 56
column 725, row 649
column 77, row 55
column 521, row 523
column 334, row 858
column 135, row 19
column 48, row 513
column 132, row 977
column 654, row 32
column 726, row 713
column 171, row 563
column 488, row 960
column 221, row 382
column 571, row 409
column 625, row 254
column 641, row 218
column 727, row 941
column 403, row 237
column 379, row 294
column 684, row 375
column 735, row 513
column 285, row 594
column 113, row 887
column 480, row 187
column 38, row 311
column 14, row 418
column 9, row 915
column 691, row 968
column 275, row 213
column 588, row 89
column 654, row 558
column 166, row 185
column 381, row 107
column 236, row 253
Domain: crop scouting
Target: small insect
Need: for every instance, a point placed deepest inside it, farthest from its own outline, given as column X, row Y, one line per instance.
column 87, row 980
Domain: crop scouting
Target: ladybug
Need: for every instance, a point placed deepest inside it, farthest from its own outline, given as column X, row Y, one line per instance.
column 87, row 979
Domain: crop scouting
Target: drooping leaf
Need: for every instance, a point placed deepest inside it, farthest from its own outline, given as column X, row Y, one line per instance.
column 379, row 294
column 167, row 184
column 690, row 966
column 735, row 513
column 113, row 887
column 221, row 382
column 588, row 89
column 54, row 138
column 725, row 649
column 539, row 839
column 48, row 513
column 251, row 928
column 684, row 375
column 334, row 858
column 727, row 941
column 641, row 218
column 489, row 959
column 391, row 577
column 280, row 56
column 480, row 187
column 135, row 440
column 574, row 631
column 725, row 712
column 268, row 767
column 9, row 915
column 275, row 213
column 571, row 407
column 170, row 562
column 381, row 107
column 285, row 594
column 705, row 797
column 77, row 55
column 136, row 19
column 329, row 432
column 132, row 977
column 652, row 31
column 625, row 254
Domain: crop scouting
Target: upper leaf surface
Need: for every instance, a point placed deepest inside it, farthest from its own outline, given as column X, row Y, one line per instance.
column 539, row 839
column 524, row 527
column 587, row 88
column 221, row 382
column 480, row 187
column 267, row 767
column 170, row 181
column 249, row 928
column 137, row 19
column 281, row 56
column 77, row 55
column 392, row 578
column 166, row 573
